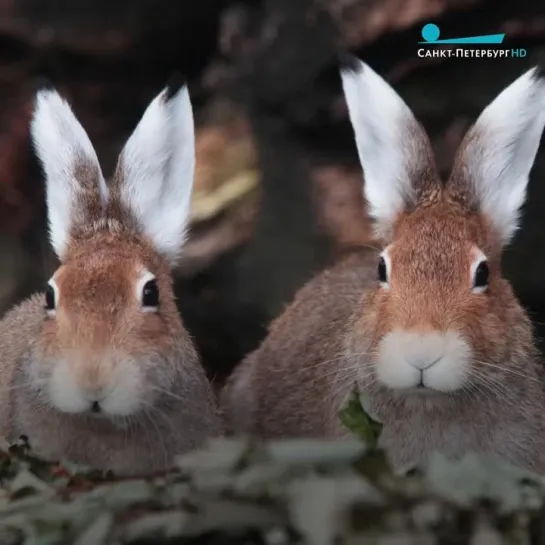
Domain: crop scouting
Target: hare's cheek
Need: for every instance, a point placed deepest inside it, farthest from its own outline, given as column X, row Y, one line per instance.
column 126, row 394
column 38, row 372
column 64, row 392
column 433, row 360
column 113, row 389
column 392, row 368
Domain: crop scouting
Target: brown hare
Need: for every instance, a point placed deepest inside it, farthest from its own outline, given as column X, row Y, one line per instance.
column 428, row 329
column 99, row 369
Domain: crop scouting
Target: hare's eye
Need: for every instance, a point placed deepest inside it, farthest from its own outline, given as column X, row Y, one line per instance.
column 382, row 271
column 50, row 298
column 150, row 294
column 480, row 277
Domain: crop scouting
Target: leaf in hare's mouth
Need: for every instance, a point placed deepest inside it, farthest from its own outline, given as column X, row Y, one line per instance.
column 358, row 421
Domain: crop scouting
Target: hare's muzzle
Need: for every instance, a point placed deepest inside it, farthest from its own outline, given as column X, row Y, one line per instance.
column 101, row 386
column 423, row 360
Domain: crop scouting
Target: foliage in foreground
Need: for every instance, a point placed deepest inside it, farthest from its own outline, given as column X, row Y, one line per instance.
column 297, row 491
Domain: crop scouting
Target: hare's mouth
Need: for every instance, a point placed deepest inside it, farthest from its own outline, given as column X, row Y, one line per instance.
column 427, row 363
column 95, row 408
column 422, row 390
column 85, row 390
column 425, row 389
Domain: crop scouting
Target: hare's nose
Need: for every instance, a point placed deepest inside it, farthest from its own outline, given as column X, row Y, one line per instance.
column 94, row 377
column 422, row 363
column 95, row 394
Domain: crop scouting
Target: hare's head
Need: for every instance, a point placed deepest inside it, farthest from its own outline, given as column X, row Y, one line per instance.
column 112, row 341
column 442, row 318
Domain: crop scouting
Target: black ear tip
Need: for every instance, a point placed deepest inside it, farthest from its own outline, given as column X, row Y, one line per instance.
column 174, row 84
column 349, row 63
column 539, row 71
column 43, row 83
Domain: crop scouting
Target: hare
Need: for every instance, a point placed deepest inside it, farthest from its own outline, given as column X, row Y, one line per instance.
column 99, row 370
column 428, row 329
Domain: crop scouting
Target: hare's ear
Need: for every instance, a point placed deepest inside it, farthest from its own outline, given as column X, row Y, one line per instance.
column 394, row 151
column 493, row 164
column 75, row 188
column 156, row 169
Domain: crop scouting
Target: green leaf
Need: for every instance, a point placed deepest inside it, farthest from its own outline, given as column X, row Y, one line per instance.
column 355, row 419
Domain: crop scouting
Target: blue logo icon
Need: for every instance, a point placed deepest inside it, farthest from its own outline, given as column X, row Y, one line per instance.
column 431, row 33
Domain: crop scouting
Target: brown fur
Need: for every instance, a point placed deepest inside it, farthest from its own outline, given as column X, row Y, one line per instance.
column 98, row 313
column 297, row 380
column 98, row 326
column 326, row 341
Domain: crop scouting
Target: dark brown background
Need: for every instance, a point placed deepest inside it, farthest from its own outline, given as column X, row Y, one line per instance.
column 278, row 188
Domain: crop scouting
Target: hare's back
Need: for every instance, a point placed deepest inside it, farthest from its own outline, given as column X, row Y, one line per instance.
column 289, row 385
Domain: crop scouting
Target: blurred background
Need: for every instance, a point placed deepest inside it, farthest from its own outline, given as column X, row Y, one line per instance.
column 278, row 186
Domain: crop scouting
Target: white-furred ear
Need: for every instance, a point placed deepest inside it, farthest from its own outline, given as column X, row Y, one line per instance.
column 156, row 170
column 74, row 181
column 393, row 148
column 498, row 152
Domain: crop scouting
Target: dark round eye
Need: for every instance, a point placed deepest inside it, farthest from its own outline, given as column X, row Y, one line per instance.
column 49, row 298
column 382, row 275
column 480, row 279
column 150, row 294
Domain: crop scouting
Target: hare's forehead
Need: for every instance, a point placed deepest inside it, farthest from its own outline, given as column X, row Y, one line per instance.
column 442, row 261
column 440, row 247
column 105, row 273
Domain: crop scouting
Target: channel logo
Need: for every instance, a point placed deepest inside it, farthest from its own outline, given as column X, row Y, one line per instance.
column 431, row 33
column 464, row 47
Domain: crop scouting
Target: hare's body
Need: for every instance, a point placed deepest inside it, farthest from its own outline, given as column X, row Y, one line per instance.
column 99, row 370
column 133, row 446
column 426, row 327
column 289, row 386
column 296, row 382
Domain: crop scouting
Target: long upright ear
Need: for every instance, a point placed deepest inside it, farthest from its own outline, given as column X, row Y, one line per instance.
column 493, row 164
column 75, row 187
column 394, row 151
column 156, row 170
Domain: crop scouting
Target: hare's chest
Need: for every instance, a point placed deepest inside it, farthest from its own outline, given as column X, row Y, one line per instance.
column 411, row 441
column 54, row 436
